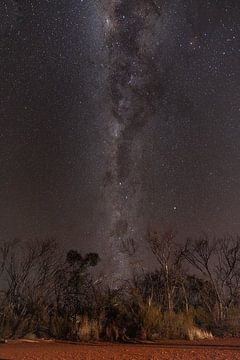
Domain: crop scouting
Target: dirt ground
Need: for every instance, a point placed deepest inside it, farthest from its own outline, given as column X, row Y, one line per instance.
column 180, row 350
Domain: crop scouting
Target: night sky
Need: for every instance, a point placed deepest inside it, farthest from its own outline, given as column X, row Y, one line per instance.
column 116, row 115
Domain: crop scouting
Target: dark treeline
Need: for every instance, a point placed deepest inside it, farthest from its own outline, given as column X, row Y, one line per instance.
column 192, row 293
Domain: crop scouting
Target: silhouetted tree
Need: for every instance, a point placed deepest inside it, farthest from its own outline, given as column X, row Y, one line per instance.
column 164, row 248
column 218, row 261
column 73, row 283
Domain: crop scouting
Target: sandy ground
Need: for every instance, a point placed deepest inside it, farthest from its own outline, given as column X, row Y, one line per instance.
column 180, row 350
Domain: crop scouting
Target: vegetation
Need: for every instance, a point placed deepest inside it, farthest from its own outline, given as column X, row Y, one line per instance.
column 193, row 291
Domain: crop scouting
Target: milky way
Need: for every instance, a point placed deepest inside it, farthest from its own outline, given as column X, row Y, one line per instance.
column 129, row 32
column 119, row 114
column 142, row 39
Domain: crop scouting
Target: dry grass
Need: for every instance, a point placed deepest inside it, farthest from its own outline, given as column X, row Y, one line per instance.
column 194, row 333
column 88, row 329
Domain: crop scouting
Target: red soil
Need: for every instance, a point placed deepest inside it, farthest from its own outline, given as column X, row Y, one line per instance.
column 179, row 350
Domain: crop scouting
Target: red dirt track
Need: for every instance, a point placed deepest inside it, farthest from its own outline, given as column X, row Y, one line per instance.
column 175, row 350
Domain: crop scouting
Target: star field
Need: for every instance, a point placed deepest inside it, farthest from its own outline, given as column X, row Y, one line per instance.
column 118, row 114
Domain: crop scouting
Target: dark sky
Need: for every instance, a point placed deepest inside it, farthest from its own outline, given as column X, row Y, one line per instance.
column 117, row 114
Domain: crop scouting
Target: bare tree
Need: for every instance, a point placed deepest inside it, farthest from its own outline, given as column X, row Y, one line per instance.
column 228, row 269
column 218, row 261
column 28, row 273
column 164, row 248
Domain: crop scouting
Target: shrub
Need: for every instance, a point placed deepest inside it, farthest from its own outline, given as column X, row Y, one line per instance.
column 152, row 320
column 176, row 325
column 88, row 329
column 195, row 333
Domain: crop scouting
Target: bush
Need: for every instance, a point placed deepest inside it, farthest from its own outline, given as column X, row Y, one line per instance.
column 176, row 325
column 88, row 329
column 195, row 333
column 152, row 321
column 61, row 327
